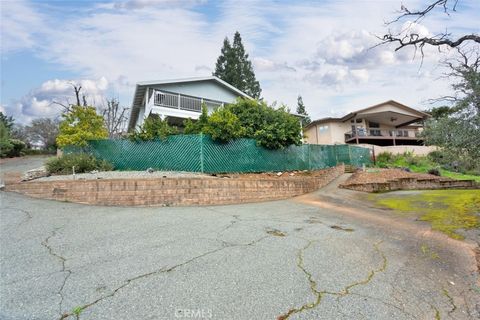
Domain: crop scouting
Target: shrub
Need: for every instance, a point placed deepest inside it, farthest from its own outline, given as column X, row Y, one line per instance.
column 80, row 125
column 195, row 127
column 17, row 148
column 153, row 128
column 5, row 148
column 434, row 171
column 223, row 126
column 83, row 163
column 437, row 156
column 384, row 159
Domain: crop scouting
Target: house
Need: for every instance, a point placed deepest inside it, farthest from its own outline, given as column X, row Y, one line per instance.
column 180, row 99
column 386, row 124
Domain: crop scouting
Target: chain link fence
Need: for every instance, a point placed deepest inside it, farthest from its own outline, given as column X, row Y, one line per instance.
column 199, row 153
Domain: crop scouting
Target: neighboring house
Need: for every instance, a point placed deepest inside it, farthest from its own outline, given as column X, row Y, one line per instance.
column 180, row 99
column 386, row 124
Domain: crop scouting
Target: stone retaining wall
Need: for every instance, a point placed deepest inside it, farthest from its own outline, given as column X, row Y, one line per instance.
column 411, row 184
column 175, row 191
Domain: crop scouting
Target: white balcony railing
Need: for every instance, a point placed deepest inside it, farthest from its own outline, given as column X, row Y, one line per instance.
column 182, row 102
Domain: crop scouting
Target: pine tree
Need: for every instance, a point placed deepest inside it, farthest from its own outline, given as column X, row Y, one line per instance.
column 301, row 110
column 233, row 66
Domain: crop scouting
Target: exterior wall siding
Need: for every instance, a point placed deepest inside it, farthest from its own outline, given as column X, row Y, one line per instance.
column 204, row 89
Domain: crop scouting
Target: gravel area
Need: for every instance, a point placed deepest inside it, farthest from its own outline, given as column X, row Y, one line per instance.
column 383, row 175
column 180, row 174
column 127, row 175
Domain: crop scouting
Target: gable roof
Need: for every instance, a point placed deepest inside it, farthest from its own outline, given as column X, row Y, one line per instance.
column 141, row 88
column 420, row 114
column 196, row 79
column 392, row 102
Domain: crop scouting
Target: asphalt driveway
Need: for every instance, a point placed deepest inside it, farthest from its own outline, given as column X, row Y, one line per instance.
column 313, row 257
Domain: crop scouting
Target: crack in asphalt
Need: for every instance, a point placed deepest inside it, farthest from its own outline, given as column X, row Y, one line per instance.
column 370, row 276
column 385, row 303
column 224, row 246
column 450, row 300
column 313, row 285
column 62, row 261
column 28, row 215
column 319, row 294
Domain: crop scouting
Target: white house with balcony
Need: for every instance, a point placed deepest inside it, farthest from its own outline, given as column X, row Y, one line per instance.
column 388, row 123
column 180, row 99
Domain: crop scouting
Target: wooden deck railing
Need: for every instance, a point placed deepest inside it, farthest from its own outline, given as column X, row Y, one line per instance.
column 381, row 133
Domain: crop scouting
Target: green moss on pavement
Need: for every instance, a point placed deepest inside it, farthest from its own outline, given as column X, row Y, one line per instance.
column 446, row 210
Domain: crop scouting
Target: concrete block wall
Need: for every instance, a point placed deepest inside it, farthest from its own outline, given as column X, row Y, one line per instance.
column 175, row 191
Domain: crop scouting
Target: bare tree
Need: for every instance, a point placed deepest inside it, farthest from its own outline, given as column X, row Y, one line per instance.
column 44, row 130
column 115, row 117
column 79, row 96
column 404, row 39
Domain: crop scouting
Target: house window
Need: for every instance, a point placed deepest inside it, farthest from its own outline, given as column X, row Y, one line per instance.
column 322, row 129
column 374, row 129
column 358, row 121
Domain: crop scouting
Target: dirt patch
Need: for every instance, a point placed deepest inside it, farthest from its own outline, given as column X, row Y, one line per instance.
column 384, row 175
column 270, row 175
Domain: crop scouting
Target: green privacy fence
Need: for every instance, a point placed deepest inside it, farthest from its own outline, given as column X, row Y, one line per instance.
column 199, row 153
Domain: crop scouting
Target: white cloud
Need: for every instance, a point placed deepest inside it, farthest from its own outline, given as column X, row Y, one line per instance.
column 19, row 25
column 40, row 102
column 140, row 4
column 263, row 64
column 320, row 50
column 360, row 75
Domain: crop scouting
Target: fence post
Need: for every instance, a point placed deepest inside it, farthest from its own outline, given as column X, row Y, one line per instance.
column 336, row 154
column 349, row 155
column 309, row 153
column 201, row 153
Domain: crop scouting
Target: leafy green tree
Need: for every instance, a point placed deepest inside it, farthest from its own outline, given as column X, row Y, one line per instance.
column 223, row 125
column 233, row 66
column 457, row 132
column 302, row 111
column 153, row 128
column 195, row 127
column 7, row 121
column 5, row 145
column 441, row 112
column 281, row 129
column 79, row 125
column 272, row 128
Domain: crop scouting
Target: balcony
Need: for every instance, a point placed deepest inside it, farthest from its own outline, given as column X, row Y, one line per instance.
column 384, row 137
column 183, row 102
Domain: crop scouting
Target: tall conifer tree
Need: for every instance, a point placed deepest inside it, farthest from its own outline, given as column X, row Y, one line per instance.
column 233, row 66
column 301, row 110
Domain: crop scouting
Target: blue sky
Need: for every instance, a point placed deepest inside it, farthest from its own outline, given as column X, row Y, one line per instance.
column 319, row 49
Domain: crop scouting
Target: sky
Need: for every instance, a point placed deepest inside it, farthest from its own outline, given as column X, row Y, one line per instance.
column 321, row 50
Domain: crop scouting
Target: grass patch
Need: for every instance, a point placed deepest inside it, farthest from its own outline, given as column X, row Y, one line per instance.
column 446, row 210
column 459, row 176
column 422, row 164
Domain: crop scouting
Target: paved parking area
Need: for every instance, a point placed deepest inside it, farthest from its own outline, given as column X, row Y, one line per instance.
column 312, row 257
